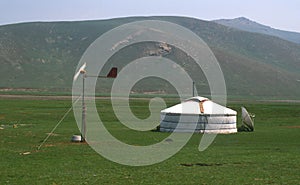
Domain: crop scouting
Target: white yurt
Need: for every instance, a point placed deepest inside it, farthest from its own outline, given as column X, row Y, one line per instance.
column 198, row 114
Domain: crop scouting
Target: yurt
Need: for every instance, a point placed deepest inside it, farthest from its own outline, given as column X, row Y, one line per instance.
column 198, row 114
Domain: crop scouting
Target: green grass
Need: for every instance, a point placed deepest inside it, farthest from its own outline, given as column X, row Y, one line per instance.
column 270, row 155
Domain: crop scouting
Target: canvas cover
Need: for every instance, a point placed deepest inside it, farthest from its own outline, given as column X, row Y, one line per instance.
column 198, row 114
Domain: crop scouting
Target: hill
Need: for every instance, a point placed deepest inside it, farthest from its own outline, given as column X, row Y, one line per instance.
column 44, row 55
column 245, row 24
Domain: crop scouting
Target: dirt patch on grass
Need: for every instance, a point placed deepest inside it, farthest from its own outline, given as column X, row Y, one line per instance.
column 33, row 97
column 52, row 134
column 280, row 101
column 294, row 126
column 200, row 164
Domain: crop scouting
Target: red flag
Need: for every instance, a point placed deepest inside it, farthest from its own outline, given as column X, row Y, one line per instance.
column 112, row 73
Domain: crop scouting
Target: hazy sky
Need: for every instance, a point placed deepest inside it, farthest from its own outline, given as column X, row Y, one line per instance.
column 275, row 13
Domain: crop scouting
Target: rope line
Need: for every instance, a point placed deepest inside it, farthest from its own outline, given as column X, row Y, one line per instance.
column 60, row 121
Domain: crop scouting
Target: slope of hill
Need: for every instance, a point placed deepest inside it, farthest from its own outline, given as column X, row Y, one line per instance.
column 45, row 55
column 245, row 24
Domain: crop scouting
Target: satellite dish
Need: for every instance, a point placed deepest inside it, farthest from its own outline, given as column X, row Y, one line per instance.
column 80, row 71
column 248, row 119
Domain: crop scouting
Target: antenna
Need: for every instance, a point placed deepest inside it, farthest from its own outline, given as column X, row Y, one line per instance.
column 193, row 87
column 247, row 119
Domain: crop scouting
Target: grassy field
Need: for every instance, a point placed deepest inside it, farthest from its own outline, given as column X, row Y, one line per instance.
column 270, row 155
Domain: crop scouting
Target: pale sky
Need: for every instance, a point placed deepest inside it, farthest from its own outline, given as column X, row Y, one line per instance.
column 278, row 14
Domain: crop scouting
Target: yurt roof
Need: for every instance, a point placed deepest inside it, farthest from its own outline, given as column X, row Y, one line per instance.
column 199, row 105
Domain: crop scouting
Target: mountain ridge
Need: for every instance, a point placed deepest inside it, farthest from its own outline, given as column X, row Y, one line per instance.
column 245, row 24
column 45, row 55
